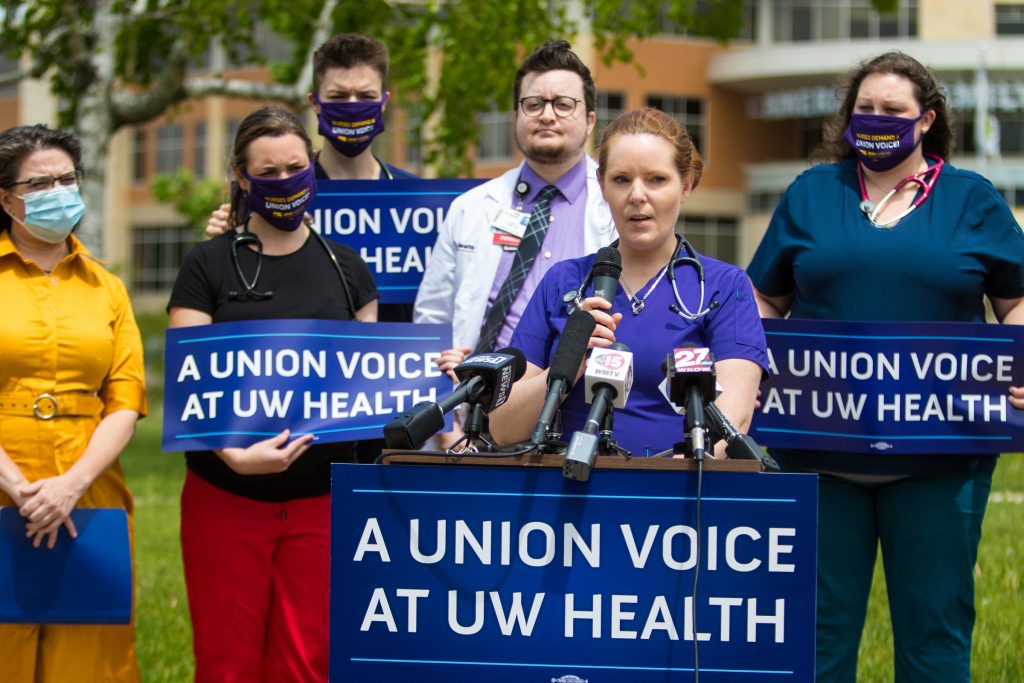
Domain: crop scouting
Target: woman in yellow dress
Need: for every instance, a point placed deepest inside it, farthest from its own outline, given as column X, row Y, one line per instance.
column 71, row 390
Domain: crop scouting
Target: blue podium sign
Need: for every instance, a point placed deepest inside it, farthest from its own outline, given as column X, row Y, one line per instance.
column 233, row 384
column 517, row 574
column 392, row 225
column 873, row 387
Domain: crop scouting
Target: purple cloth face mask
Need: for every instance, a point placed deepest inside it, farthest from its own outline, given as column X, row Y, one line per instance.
column 350, row 127
column 283, row 202
column 880, row 141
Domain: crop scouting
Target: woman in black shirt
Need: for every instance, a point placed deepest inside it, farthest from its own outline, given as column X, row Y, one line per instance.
column 255, row 521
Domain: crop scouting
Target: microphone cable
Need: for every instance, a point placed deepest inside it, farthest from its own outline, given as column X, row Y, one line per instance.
column 496, row 455
column 696, row 573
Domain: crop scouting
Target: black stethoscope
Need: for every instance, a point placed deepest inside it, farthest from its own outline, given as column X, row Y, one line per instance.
column 244, row 238
column 872, row 210
column 574, row 298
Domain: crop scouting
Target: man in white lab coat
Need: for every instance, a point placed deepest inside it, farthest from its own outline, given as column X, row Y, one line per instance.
column 475, row 253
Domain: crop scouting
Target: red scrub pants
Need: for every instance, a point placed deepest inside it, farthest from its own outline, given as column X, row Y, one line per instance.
column 257, row 576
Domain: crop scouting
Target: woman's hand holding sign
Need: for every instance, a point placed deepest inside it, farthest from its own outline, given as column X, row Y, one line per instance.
column 268, row 456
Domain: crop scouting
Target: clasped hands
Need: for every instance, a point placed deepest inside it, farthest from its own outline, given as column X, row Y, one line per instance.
column 47, row 504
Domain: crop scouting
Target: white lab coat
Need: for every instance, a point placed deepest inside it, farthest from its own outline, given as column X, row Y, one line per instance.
column 460, row 274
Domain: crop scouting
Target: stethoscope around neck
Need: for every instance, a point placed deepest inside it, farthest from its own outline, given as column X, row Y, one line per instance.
column 872, row 210
column 574, row 298
column 245, row 238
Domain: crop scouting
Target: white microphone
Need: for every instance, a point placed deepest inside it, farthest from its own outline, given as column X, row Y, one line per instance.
column 609, row 377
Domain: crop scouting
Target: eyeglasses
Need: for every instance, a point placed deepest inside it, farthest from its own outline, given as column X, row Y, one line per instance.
column 563, row 105
column 46, row 182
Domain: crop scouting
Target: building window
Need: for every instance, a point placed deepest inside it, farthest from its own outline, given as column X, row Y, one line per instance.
column 963, row 133
column 271, row 46
column 812, row 132
column 668, row 26
column 169, row 148
column 1016, row 197
column 139, row 155
column 609, row 105
column 763, row 202
column 413, row 135
column 494, row 136
column 268, row 47
column 1009, row 20
column 797, row 21
column 9, row 68
column 229, row 143
column 1012, row 195
column 1010, row 133
column 714, row 236
column 689, row 111
column 199, row 149
column 157, row 255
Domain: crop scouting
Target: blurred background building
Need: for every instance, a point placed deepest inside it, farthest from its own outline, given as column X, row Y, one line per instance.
column 755, row 107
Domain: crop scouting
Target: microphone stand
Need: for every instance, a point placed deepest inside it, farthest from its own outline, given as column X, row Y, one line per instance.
column 606, row 445
column 552, row 443
column 737, row 446
column 473, row 432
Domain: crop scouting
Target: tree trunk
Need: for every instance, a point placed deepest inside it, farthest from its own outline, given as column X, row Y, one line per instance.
column 94, row 128
column 94, row 124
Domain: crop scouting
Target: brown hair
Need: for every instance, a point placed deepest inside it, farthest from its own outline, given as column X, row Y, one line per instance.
column 938, row 140
column 654, row 122
column 348, row 50
column 16, row 144
column 272, row 122
column 556, row 55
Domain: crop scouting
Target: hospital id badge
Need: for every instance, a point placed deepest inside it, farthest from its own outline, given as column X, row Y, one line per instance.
column 511, row 221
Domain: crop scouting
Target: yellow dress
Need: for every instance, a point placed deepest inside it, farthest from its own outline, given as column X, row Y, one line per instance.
column 69, row 333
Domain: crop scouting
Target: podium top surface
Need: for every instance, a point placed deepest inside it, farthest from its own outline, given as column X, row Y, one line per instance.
column 553, row 460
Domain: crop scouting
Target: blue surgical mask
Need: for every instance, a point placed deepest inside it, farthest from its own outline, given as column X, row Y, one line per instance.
column 51, row 215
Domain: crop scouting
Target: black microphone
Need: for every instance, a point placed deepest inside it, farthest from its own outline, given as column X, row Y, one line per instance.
column 737, row 446
column 572, row 346
column 605, row 273
column 487, row 380
column 609, row 378
column 691, row 383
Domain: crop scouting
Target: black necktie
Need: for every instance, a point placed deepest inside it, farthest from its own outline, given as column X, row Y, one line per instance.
column 536, row 229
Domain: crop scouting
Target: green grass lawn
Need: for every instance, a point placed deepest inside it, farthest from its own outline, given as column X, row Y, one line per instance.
column 165, row 644
column 163, row 634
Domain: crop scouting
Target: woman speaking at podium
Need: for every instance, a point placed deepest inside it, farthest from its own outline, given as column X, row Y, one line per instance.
column 894, row 235
column 669, row 296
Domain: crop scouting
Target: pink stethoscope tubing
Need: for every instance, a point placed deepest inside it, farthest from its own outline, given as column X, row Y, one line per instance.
column 872, row 210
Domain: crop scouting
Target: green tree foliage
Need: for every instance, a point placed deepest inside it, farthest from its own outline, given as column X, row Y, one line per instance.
column 192, row 197
column 455, row 59
column 113, row 63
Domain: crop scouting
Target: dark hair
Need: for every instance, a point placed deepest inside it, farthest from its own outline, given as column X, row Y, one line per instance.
column 348, row 50
column 556, row 55
column 267, row 122
column 938, row 140
column 16, row 144
column 654, row 122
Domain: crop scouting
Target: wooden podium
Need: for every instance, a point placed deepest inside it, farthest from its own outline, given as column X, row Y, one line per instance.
column 603, row 462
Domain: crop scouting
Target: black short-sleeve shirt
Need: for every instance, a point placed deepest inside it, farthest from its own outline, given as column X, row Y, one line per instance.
column 304, row 284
